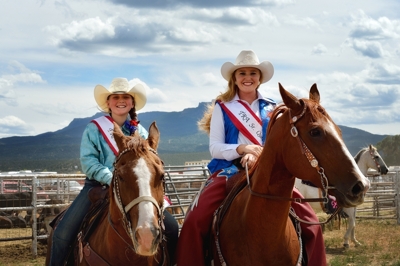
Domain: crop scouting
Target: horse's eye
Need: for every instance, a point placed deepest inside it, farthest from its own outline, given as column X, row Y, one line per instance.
column 162, row 177
column 315, row 132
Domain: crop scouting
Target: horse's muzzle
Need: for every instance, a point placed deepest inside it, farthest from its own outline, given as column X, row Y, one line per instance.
column 147, row 240
column 356, row 195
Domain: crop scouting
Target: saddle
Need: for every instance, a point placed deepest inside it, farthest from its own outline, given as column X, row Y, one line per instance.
column 100, row 200
column 98, row 196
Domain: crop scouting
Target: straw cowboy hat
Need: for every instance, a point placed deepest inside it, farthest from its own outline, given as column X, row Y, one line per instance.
column 248, row 58
column 120, row 86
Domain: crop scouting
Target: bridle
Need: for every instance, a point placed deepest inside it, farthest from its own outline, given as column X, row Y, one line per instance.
column 313, row 162
column 371, row 152
column 124, row 210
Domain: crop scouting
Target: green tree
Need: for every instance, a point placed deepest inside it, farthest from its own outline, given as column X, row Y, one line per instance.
column 389, row 149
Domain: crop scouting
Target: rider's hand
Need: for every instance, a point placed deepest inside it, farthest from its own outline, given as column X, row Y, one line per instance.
column 248, row 158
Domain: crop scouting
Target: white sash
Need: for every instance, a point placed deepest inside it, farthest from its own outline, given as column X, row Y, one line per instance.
column 106, row 128
column 245, row 120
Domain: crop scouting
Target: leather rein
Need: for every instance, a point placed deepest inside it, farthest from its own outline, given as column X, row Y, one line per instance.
column 313, row 162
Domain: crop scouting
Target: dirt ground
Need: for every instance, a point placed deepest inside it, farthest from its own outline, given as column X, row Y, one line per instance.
column 20, row 253
column 380, row 245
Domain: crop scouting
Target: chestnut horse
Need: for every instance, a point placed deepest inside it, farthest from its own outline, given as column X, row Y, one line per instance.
column 130, row 231
column 366, row 158
column 303, row 141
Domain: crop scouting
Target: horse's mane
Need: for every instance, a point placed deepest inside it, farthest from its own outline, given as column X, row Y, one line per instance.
column 315, row 109
column 358, row 155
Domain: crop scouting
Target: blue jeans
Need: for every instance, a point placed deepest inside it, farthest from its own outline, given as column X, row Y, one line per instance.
column 68, row 228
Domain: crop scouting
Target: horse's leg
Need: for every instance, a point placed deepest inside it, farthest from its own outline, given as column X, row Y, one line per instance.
column 349, row 227
column 350, row 233
column 353, row 230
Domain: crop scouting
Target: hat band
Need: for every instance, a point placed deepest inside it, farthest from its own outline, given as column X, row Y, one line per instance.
column 119, row 92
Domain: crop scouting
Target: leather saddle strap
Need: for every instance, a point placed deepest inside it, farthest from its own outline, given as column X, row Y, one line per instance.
column 92, row 258
column 220, row 212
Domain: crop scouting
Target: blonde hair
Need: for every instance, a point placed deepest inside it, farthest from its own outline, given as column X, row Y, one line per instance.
column 204, row 123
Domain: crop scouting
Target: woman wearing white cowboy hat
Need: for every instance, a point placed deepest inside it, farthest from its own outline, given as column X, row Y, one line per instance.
column 233, row 143
column 97, row 155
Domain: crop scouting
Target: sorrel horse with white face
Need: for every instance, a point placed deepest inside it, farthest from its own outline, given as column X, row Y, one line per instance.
column 130, row 231
column 303, row 141
column 366, row 158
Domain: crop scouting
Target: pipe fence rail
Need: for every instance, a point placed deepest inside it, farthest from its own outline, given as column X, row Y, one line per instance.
column 382, row 200
column 29, row 201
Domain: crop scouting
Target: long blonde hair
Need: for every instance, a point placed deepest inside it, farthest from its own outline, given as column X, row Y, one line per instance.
column 204, row 123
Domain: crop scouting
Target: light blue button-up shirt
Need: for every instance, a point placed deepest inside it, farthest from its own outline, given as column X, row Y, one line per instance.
column 96, row 156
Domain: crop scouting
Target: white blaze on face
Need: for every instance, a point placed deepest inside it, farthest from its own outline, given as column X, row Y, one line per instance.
column 364, row 180
column 146, row 214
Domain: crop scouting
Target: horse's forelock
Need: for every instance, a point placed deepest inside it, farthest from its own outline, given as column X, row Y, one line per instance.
column 372, row 148
column 138, row 144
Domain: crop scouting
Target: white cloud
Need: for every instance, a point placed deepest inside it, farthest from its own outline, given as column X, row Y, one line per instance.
column 15, row 75
column 85, row 30
column 319, row 49
column 371, row 49
column 54, row 53
column 11, row 126
column 365, row 27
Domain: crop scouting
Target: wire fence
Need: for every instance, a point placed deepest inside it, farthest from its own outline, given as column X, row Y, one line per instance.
column 29, row 201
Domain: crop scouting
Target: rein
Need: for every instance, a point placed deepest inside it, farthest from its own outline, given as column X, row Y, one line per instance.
column 124, row 210
column 313, row 162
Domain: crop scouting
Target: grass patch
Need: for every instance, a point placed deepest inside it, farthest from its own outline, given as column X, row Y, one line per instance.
column 380, row 241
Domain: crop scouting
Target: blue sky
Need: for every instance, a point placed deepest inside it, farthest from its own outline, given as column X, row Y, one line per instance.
column 53, row 54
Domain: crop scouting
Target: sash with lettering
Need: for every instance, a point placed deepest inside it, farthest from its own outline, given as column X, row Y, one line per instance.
column 106, row 128
column 244, row 119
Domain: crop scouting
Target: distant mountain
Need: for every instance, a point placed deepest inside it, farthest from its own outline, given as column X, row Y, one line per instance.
column 180, row 141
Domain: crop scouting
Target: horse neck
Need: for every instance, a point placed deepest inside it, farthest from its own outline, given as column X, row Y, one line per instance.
column 271, row 169
column 271, row 176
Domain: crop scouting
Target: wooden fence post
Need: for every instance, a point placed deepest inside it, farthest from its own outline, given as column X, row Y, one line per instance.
column 397, row 178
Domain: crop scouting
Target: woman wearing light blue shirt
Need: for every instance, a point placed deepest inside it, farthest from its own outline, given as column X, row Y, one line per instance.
column 97, row 155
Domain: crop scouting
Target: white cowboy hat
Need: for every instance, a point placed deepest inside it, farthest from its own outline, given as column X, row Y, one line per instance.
column 120, row 86
column 248, row 58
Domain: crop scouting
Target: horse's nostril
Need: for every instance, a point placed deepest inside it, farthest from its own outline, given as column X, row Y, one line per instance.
column 357, row 189
column 157, row 235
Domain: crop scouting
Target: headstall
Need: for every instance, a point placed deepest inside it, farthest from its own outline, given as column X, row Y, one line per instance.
column 313, row 162
column 124, row 210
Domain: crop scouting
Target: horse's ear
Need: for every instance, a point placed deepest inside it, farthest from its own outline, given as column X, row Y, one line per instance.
column 154, row 136
column 290, row 100
column 314, row 93
column 118, row 136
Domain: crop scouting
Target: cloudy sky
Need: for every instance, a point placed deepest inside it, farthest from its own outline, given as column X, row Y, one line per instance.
column 53, row 53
